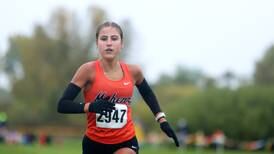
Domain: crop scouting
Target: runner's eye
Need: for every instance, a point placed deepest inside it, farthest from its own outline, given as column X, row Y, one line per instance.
column 114, row 38
column 103, row 38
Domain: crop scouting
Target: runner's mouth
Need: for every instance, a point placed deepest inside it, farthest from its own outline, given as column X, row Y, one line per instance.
column 109, row 50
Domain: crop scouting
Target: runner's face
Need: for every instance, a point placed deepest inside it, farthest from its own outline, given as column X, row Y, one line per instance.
column 109, row 43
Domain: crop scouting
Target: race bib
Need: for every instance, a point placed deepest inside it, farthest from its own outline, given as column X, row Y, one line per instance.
column 115, row 119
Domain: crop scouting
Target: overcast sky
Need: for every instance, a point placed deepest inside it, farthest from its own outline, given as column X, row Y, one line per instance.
column 212, row 35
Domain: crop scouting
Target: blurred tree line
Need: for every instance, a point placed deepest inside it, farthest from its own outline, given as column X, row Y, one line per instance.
column 40, row 66
column 244, row 111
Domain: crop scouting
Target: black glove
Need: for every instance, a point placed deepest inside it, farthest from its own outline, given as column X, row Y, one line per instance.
column 101, row 106
column 169, row 132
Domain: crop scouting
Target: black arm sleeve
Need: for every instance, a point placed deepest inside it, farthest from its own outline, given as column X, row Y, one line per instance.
column 66, row 103
column 149, row 97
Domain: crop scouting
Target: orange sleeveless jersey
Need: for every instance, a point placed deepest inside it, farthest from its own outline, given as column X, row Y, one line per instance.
column 117, row 126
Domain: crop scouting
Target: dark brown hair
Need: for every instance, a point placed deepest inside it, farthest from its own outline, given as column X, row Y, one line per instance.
column 109, row 24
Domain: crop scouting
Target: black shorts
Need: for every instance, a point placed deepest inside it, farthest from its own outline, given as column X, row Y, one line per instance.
column 91, row 147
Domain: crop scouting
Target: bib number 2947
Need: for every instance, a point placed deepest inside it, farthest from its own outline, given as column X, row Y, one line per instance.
column 115, row 119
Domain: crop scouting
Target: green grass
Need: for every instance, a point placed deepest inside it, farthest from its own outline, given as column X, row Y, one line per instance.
column 74, row 147
column 66, row 148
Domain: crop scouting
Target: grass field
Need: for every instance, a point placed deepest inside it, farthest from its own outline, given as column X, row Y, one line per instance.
column 74, row 147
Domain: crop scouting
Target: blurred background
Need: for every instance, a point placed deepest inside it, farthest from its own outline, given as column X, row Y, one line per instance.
column 210, row 63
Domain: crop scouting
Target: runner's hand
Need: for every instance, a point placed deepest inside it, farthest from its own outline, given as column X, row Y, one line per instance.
column 169, row 132
column 101, row 106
